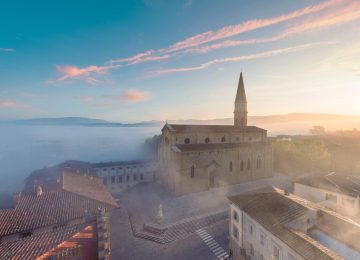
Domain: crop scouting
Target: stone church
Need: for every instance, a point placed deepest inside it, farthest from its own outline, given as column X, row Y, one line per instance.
column 194, row 158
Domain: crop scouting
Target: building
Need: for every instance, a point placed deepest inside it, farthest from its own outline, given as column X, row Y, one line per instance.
column 58, row 208
column 119, row 176
column 273, row 224
column 193, row 158
column 339, row 193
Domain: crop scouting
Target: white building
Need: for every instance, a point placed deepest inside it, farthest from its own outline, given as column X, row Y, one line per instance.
column 118, row 176
column 339, row 193
column 273, row 224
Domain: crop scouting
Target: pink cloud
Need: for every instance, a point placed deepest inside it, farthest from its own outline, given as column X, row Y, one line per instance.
column 11, row 104
column 87, row 74
column 334, row 17
column 132, row 96
column 260, row 55
column 250, row 25
column 222, row 33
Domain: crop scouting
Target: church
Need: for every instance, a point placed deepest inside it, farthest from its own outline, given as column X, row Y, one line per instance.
column 195, row 158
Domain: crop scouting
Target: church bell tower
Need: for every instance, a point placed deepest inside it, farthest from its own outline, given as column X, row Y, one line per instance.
column 240, row 113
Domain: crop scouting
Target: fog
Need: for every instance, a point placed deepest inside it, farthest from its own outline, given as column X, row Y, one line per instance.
column 27, row 148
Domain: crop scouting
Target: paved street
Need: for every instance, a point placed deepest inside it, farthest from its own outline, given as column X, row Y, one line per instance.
column 204, row 238
column 125, row 246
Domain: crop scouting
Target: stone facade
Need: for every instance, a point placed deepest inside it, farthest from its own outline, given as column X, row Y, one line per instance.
column 118, row 176
column 194, row 158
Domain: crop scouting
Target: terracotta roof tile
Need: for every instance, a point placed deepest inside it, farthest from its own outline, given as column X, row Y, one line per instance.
column 50, row 208
column 36, row 245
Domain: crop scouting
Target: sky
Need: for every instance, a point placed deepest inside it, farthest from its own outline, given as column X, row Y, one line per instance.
column 133, row 60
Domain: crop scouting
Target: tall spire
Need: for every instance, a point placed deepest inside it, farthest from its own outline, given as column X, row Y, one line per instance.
column 240, row 94
column 240, row 113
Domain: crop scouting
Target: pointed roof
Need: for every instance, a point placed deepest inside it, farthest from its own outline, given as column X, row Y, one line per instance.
column 240, row 94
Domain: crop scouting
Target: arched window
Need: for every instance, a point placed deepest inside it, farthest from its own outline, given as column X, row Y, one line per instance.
column 230, row 166
column 207, row 140
column 186, row 140
column 223, row 139
column 249, row 165
column 192, row 171
column 166, row 140
column 242, row 165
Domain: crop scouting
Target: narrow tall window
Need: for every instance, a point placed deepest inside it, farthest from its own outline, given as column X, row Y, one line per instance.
column 230, row 166
column 242, row 165
column 192, row 172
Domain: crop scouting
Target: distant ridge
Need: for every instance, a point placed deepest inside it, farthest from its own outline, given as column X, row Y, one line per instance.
column 294, row 123
column 77, row 121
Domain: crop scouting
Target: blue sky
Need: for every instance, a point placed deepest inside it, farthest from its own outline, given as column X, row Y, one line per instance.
column 181, row 59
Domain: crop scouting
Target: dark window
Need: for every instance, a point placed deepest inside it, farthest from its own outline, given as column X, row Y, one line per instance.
column 135, row 177
column 242, row 166
column 112, row 179
column 207, row 140
column 235, row 215
column 230, row 167
column 223, row 139
column 120, row 179
column 248, row 165
column 105, row 181
column 186, row 140
column 141, row 176
column 127, row 178
column 235, row 232
column 26, row 234
column 112, row 168
column 192, row 171
column 166, row 141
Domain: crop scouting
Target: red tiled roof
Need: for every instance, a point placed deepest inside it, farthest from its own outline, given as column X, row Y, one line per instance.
column 87, row 186
column 50, row 208
column 51, row 242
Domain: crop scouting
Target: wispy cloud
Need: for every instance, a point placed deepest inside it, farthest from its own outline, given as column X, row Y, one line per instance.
column 255, row 56
column 213, row 40
column 222, row 33
column 335, row 17
column 11, row 104
column 6, row 50
column 88, row 74
column 132, row 96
